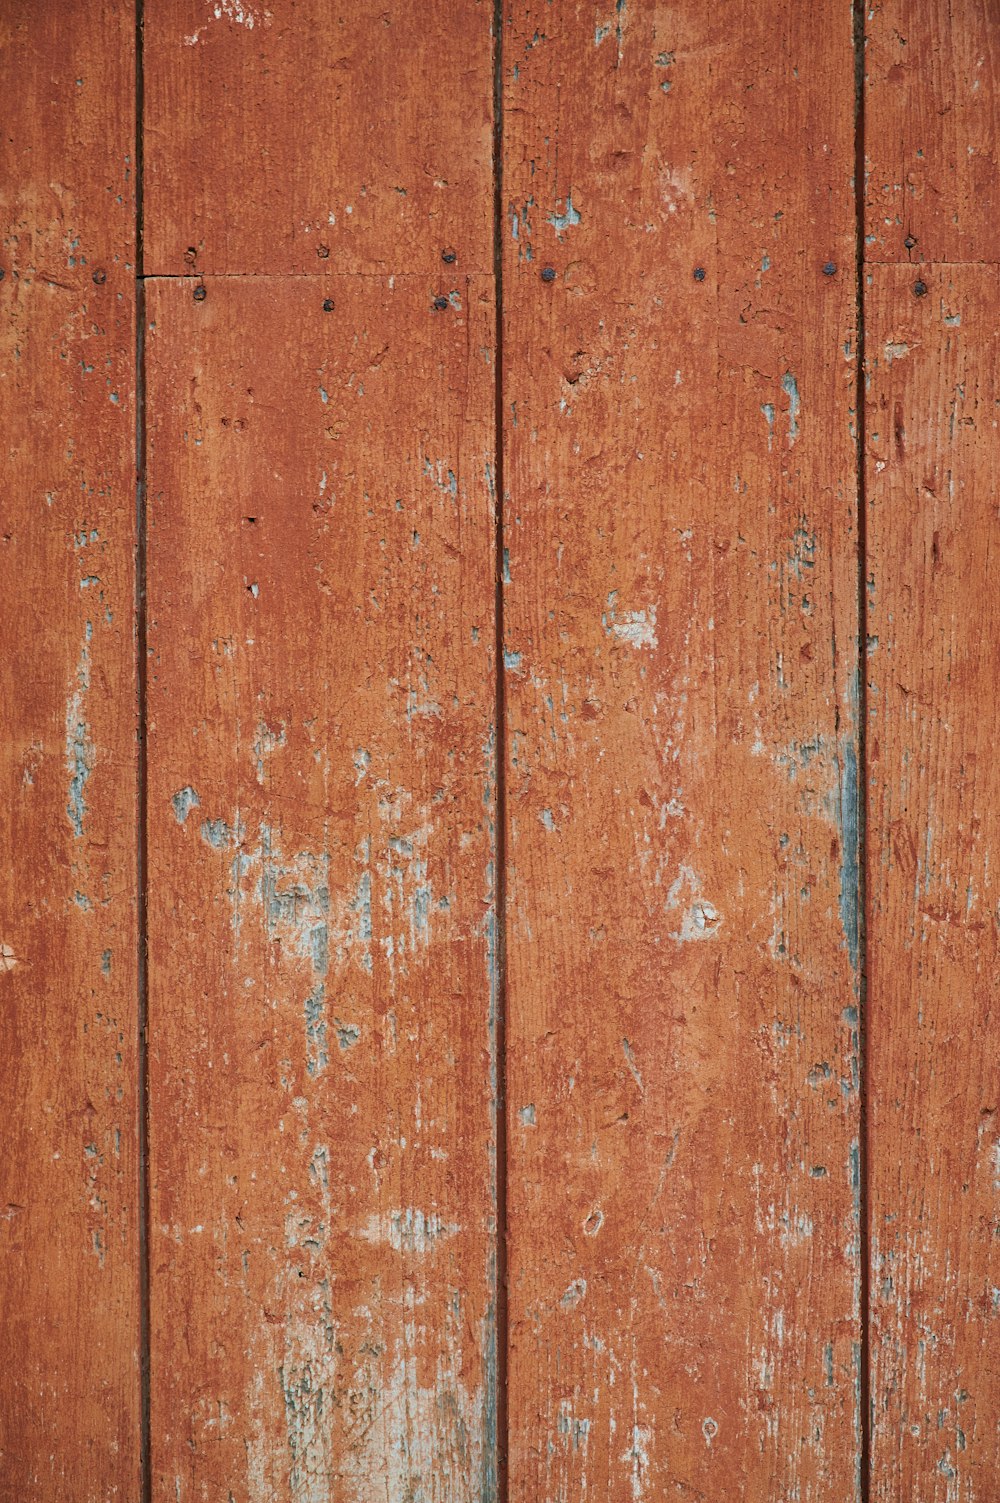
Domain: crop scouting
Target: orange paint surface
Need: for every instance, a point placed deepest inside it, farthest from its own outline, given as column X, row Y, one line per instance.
column 321, row 842
column 680, row 627
column 69, row 1171
column 568, row 1078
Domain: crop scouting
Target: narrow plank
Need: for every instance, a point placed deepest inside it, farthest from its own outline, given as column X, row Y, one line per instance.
column 681, row 650
column 932, row 118
column 69, row 1387
column 934, row 646
column 309, row 137
column 932, row 131
column 321, row 871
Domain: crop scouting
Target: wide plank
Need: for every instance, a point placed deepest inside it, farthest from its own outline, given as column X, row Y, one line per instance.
column 307, row 137
column 680, row 636
column 322, row 847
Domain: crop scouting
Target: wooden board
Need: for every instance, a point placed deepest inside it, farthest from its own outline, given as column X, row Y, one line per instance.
column 933, row 663
column 69, row 1206
column 304, row 137
column 681, row 648
column 931, row 131
column 934, row 645
column 322, row 963
column 933, row 628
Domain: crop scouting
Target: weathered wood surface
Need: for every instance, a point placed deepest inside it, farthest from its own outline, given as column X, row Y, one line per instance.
column 680, row 640
column 933, row 631
column 303, row 137
column 321, row 890
column 934, row 1067
column 932, row 135
column 69, row 1380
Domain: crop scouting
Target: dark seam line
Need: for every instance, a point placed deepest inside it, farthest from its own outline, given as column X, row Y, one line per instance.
column 864, row 1145
column 142, row 852
column 500, row 889
column 320, row 278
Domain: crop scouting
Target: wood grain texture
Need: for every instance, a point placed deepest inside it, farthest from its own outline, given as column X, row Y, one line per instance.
column 321, row 886
column 934, row 647
column 681, row 650
column 932, row 130
column 69, row 1382
column 311, row 137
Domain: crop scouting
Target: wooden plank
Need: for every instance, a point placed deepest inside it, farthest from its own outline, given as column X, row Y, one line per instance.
column 931, row 131
column 321, row 876
column 681, row 651
column 934, row 645
column 931, row 128
column 69, row 1233
column 304, row 137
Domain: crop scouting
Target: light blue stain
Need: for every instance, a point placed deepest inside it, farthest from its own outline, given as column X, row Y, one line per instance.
column 317, row 1057
column 347, row 1033
column 511, row 659
column 567, row 219
column 216, row 833
column 850, row 884
column 80, row 752
column 790, row 387
column 184, row 800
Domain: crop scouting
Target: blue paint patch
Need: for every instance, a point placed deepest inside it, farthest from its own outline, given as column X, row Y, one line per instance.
column 80, row 754
column 184, row 800
column 569, row 218
column 511, row 659
column 850, row 882
column 216, row 833
column 347, row 1033
column 790, row 387
column 316, row 1049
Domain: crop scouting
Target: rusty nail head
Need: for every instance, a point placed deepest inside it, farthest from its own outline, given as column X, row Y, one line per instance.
column 699, row 273
column 909, row 242
column 328, row 305
column 200, row 294
column 100, row 276
column 322, row 251
column 920, row 289
column 548, row 273
column 448, row 256
column 440, row 303
column 830, row 269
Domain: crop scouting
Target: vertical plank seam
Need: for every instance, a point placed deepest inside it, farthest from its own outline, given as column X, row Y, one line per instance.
column 864, row 1146
column 501, row 1318
column 142, row 861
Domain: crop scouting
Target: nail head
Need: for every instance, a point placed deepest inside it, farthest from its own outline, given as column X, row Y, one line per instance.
column 920, row 289
column 328, row 305
column 200, row 294
column 548, row 273
column 323, row 251
column 100, row 276
column 440, row 304
column 699, row 273
column 830, row 269
column 448, row 256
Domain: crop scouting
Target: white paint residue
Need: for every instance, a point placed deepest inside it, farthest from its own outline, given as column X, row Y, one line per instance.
column 700, row 919
column 407, row 1230
column 636, row 627
column 243, row 15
